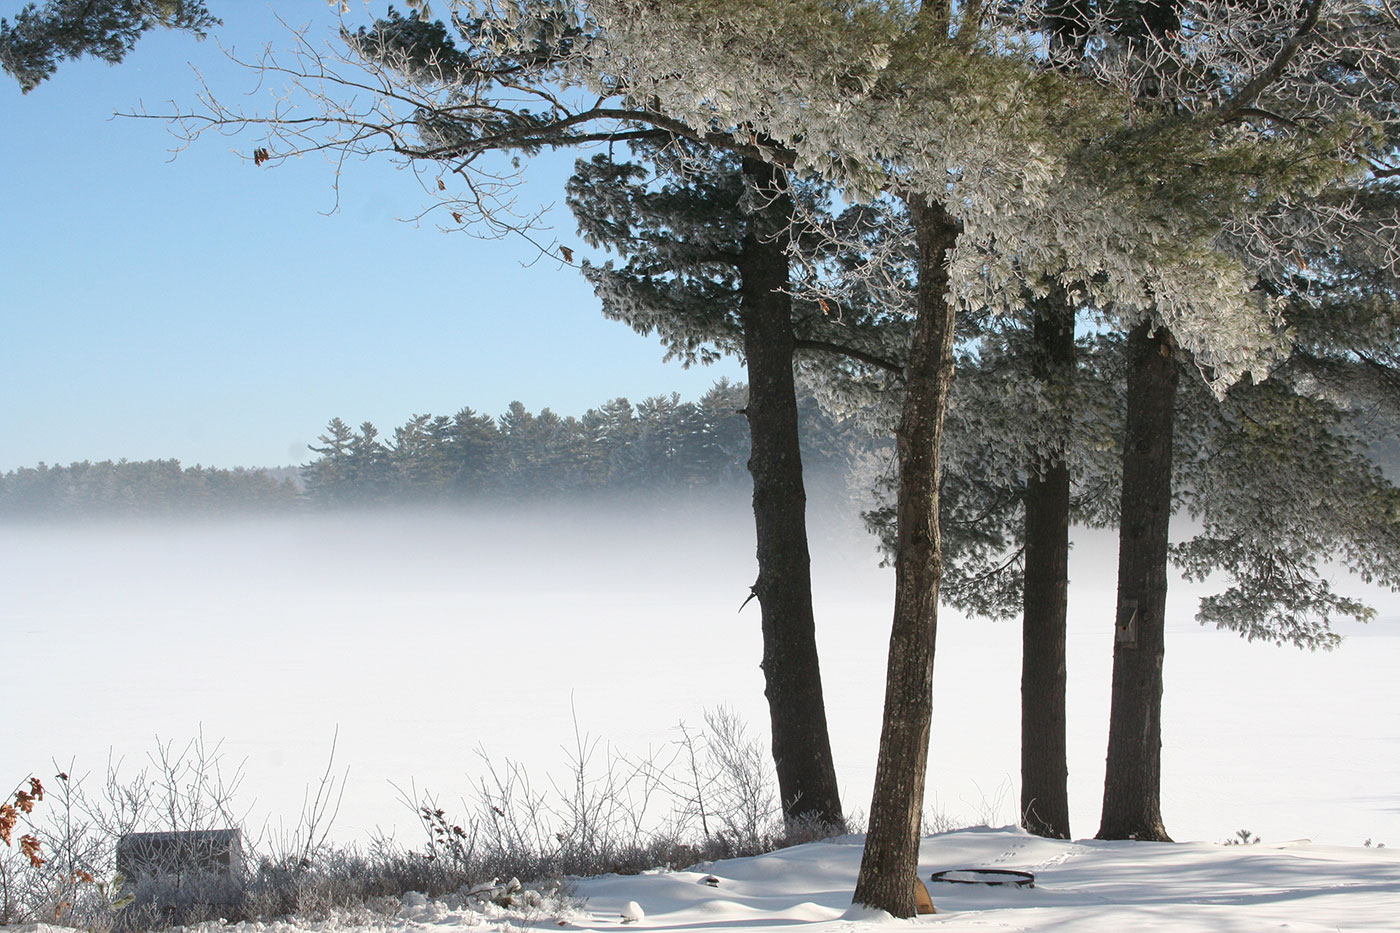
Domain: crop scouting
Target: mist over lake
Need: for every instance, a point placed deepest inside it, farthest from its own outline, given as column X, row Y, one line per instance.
column 422, row 637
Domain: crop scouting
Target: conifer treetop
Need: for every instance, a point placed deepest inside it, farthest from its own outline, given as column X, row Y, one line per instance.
column 1058, row 166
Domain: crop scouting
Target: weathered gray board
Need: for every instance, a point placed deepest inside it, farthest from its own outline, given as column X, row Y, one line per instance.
column 201, row 865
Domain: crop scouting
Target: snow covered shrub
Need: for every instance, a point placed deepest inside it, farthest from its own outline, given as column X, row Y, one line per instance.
column 709, row 795
column 18, row 866
column 937, row 821
column 13, row 811
column 57, row 874
column 345, row 880
column 75, row 881
column 596, row 821
column 731, row 777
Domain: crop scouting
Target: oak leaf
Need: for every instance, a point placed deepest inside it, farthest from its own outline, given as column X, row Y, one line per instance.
column 29, row 846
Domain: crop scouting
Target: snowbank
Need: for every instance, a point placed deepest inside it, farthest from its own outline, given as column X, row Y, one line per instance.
column 1103, row 887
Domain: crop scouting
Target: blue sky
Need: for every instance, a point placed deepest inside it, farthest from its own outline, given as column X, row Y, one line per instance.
column 200, row 308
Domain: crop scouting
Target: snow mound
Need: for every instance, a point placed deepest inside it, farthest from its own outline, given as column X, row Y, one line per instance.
column 1102, row 887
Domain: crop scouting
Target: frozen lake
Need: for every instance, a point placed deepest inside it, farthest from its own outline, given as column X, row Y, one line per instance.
column 422, row 638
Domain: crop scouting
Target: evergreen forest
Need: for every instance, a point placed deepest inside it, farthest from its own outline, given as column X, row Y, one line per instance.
column 659, row 444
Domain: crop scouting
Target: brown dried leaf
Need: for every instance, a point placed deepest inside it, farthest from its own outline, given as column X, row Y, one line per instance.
column 30, row 847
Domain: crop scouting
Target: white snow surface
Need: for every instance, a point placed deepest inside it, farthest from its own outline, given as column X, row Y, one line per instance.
column 1086, row 885
column 420, row 638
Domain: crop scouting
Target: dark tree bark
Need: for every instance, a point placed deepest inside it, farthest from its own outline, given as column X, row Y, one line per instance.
column 792, row 675
column 1045, row 588
column 889, row 867
column 1133, row 777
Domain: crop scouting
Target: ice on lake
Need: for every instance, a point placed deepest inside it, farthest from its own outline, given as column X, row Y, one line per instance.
column 424, row 637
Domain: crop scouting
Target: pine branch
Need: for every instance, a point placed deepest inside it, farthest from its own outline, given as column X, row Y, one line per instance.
column 860, row 355
column 1236, row 106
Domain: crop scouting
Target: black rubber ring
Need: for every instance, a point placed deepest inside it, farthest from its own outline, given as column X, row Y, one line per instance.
column 1002, row 876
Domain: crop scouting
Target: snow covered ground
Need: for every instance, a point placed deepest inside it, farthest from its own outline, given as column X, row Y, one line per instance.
column 1089, row 886
column 1094, row 887
column 422, row 638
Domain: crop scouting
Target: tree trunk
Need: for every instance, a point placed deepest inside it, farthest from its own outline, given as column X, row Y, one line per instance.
column 792, row 674
column 1133, row 778
column 1045, row 587
column 889, row 867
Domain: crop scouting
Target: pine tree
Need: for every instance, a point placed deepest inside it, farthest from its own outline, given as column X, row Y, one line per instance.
column 562, row 456
column 615, row 431
column 473, row 447
column 328, row 479
column 369, row 469
column 726, row 445
column 42, row 36
column 1163, row 204
column 1281, row 473
column 707, row 271
column 518, row 456
column 919, row 93
column 419, row 458
column 518, row 62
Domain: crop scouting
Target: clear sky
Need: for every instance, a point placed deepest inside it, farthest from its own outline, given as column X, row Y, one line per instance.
column 200, row 308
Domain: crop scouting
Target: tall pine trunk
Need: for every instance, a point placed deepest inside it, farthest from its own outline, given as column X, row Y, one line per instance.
column 1045, row 589
column 889, row 866
column 792, row 674
column 1133, row 777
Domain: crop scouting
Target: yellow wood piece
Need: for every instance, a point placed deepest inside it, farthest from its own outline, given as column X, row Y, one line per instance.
column 922, row 899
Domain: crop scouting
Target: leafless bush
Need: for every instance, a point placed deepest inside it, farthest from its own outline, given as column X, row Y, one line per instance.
column 710, row 794
column 77, row 882
column 938, row 821
column 727, row 789
column 20, row 864
column 742, row 780
column 308, row 840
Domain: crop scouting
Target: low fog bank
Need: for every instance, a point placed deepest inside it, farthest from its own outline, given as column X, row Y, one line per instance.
column 425, row 635
column 422, row 635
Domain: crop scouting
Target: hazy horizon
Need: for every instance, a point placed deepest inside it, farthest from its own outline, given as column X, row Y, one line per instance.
column 422, row 636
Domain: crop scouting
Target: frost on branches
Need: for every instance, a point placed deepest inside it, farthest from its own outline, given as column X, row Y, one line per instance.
column 1158, row 180
column 1159, row 162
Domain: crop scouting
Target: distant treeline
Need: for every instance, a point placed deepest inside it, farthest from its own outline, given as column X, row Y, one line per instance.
column 659, row 443
column 147, row 487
